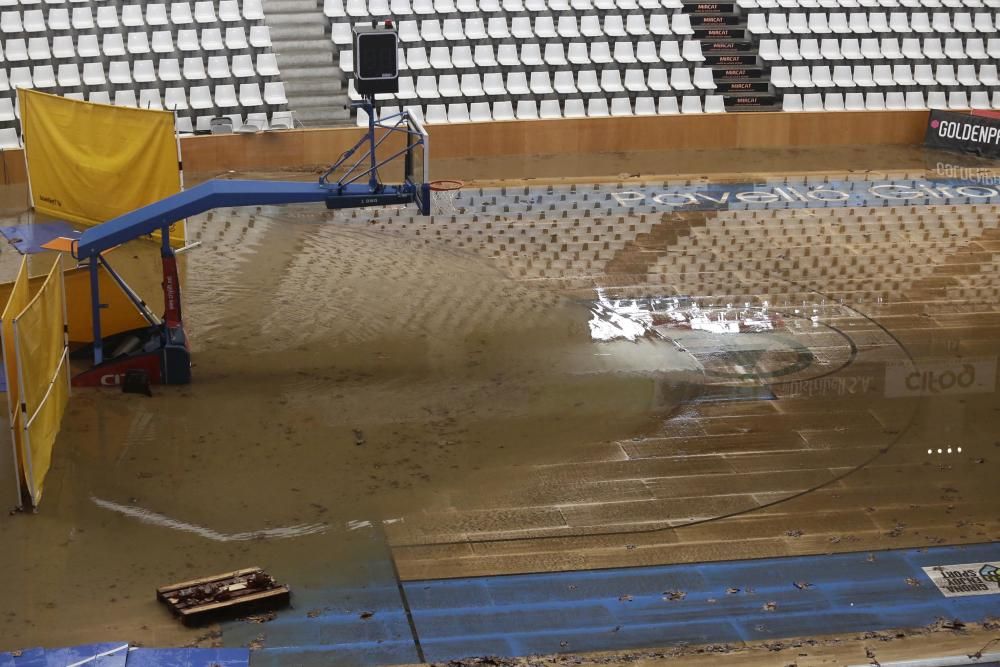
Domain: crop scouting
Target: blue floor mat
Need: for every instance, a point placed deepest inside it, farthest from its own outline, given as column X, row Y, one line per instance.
column 629, row 608
column 32, row 657
column 28, row 239
column 112, row 654
column 188, row 657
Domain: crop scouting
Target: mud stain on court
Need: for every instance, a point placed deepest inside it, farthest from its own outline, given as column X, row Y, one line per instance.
column 367, row 384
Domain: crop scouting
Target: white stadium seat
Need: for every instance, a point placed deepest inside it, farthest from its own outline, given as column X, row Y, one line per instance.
column 574, row 108
column 218, row 67
column 667, row 105
column 503, row 110
column 149, row 98
column 143, row 71
column 526, row 110
column 690, row 104
column 194, row 69
column 169, row 69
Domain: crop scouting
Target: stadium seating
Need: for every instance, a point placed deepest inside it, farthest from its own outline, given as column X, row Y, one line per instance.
column 560, row 59
column 890, row 54
column 641, row 56
column 477, row 60
column 189, row 57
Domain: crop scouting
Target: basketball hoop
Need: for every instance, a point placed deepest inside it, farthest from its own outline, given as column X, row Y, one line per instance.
column 446, row 185
column 443, row 195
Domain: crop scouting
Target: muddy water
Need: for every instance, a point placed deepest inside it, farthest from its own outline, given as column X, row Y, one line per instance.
column 344, row 380
column 351, row 381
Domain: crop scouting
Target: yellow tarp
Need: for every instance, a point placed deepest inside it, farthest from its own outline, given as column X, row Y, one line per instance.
column 18, row 298
column 89, row 163
column 119, row 315
column 43, row 431
column 40, row 339
column 43, row 371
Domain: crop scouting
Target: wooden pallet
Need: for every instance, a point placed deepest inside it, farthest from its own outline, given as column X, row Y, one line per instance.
column 224, row 595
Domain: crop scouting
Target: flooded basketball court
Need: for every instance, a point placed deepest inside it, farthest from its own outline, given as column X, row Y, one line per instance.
column 540, row 377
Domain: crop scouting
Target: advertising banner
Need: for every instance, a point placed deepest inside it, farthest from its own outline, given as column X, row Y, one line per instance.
column 945, row 377
column 962, row 132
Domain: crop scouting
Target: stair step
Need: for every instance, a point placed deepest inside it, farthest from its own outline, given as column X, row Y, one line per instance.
column 731, row 60
column 303, row 47
column 719, row 20
column 293, row 59
column 742, row 87
column 294, row 32
column 319, row 76
column 738, row 73
column 728, row 47
column 314, row 85
column 754, row 109
column 727, row 34
column 313, row 18
column 318, row 116
column 709, row 7
column 752, row 102
column 313, row 99
column 275, row 7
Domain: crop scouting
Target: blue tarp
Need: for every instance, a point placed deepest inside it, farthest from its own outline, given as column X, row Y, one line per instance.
column 106, row 654
column 28, row 239
column 617, row 609
column 631, row 607
column 32, row 657
column 188, row 657
column 112, row 654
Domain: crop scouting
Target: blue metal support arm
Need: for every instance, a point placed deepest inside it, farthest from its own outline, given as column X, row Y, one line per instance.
column 201, row 198
column 347, row 192
column 224, row 193
column 215, row 194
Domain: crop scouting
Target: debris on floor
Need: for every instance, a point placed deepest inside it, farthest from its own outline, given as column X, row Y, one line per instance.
column 261, row 618
column 136, row 382
column 231, row 594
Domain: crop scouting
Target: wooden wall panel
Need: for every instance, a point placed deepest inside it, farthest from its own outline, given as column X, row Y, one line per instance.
column 296, row 149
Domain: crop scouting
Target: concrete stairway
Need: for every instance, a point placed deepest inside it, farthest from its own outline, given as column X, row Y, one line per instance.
column 306, row 58
column 732, row 53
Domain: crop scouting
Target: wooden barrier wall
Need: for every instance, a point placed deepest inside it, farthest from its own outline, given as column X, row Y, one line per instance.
column 297, row 149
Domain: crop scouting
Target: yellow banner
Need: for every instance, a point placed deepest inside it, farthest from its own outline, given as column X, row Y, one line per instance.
column 42, row 432
column 40, row 339
column 89, row 163
column 18, row 299
column 43, row 370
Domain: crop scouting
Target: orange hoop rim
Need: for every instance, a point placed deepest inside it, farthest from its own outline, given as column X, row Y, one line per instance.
column 445, row 185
